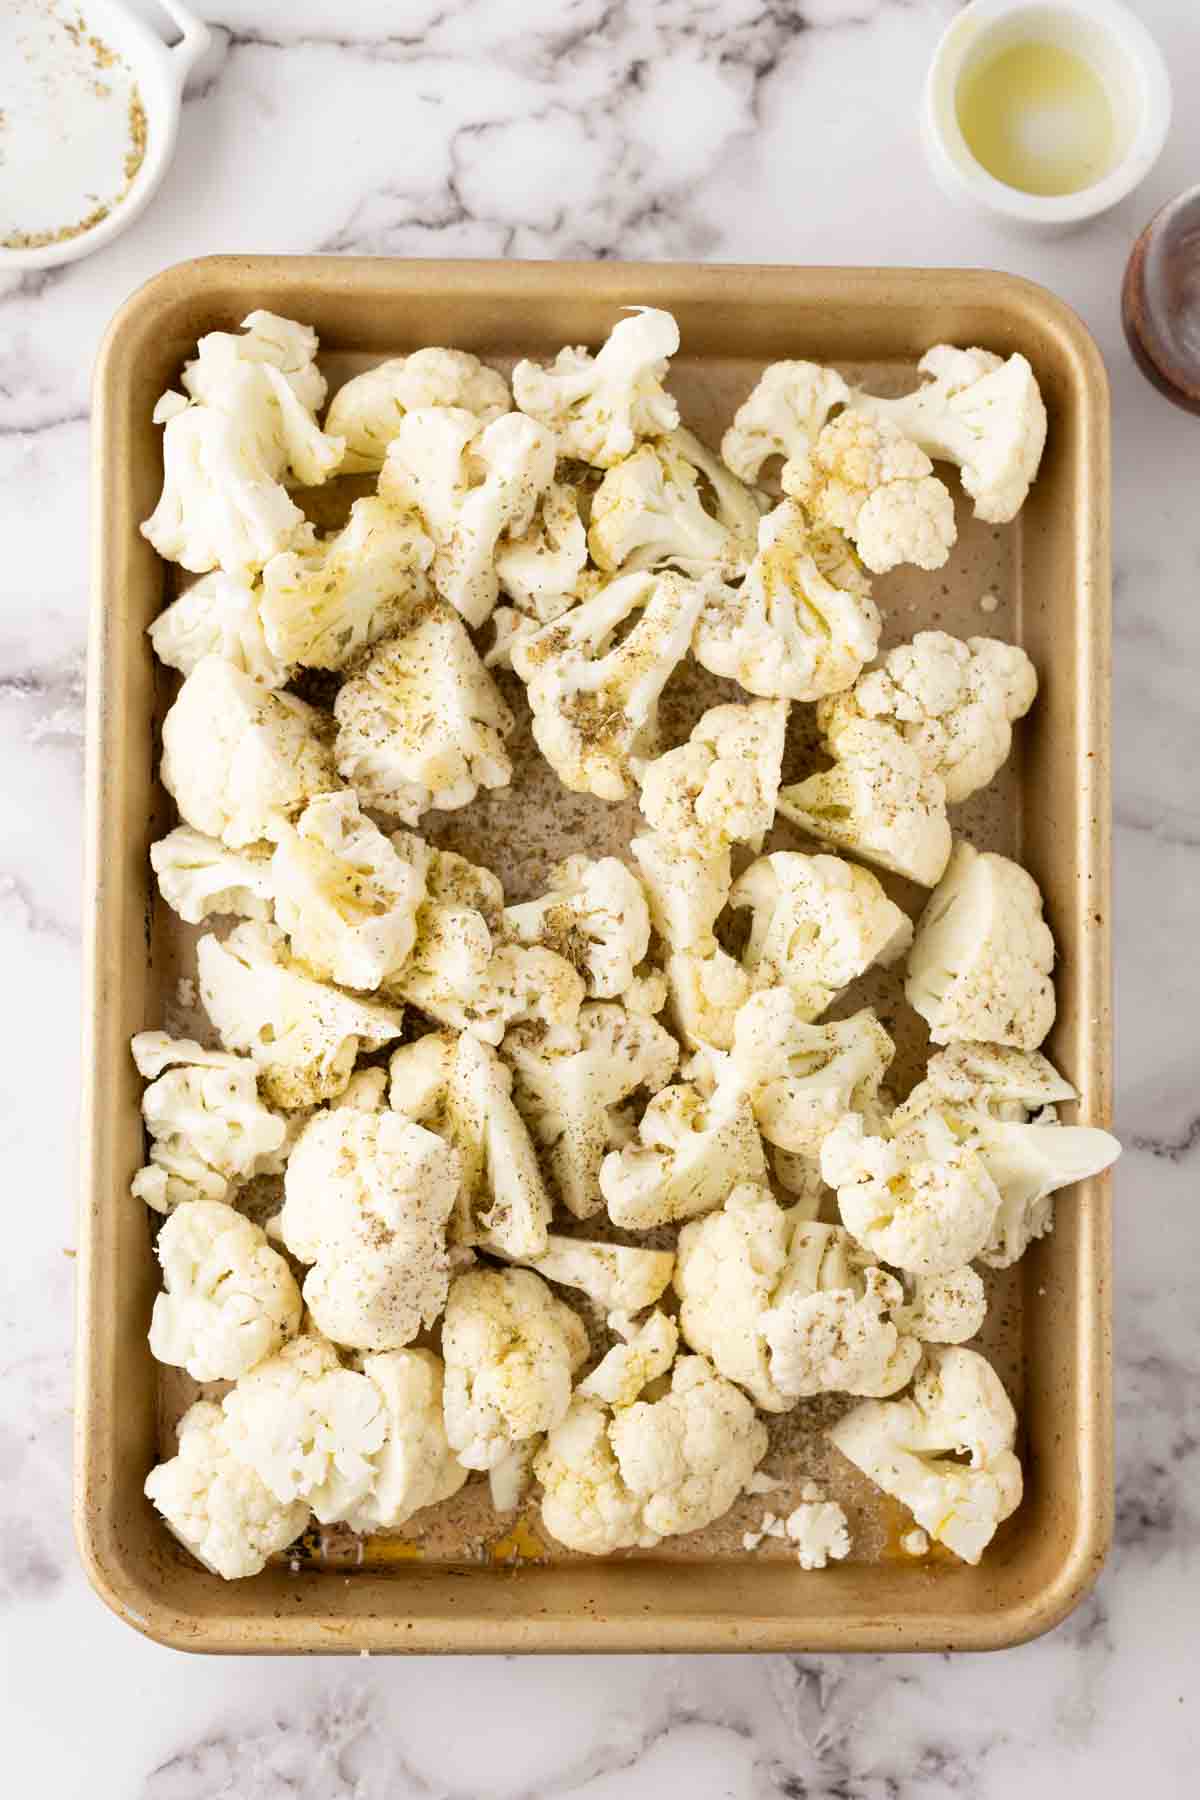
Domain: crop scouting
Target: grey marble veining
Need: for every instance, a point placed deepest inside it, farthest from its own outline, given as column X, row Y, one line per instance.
column 726, row 129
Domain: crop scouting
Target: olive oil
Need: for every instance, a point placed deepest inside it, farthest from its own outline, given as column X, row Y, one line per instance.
column 1038, row 118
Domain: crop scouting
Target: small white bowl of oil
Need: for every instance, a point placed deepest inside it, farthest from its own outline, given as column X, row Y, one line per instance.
column 89, row 114
column 1045, row 114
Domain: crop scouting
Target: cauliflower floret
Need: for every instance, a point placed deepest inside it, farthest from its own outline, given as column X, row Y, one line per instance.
column 980, row 963
column 422, row 724
column 209, row 1131
column 416, row 1467
column 311, row 1430
column 594, row 916
column 652, row 1470
column 366, row 411
column 985, row 414
column 817, row 923
column 686, row 890
column 819, row 1529
column 689, row 1154
column 303, row 1035
column 324, row 603
column 629, row 1368
column 511, row 1350
column 801, row 1078
column 250, row 426
column 344, row 895
column 648, row 511
column 992, row 1079
column 198, row 876
column 782, row 415
column 944, row 1309
column 922, row 1200
column 738, row 507
column 239, row 761
column 911, row 1448
column 540, row 570
column 217, row 616
column 216, row 1506
column 503, row 1204
column 719, row 787
column 705, row 993
column 367, row 1198
column 864, row 478
column 472, row 488
column 568, row 1093
column 877, row 802
column 727, row 1266
column 620, row 1279
column 594, row 703
column 801, row 625
column 954, row 702
column 228, row 1299
column 600, row 406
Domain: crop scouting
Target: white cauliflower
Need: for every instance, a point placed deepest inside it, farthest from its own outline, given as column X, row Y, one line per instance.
column 980, row 412
column 953, row 702
column 217, row 1507
column 239, row 761
column 346, row 898
column 601, row 406
column 228, row 1299
column 512, row 1349
column 594, row 701
column 627, row 1370
column 366, row 410
column 817, row 923
column 992, row 1079
column 472, row 487
column 720, row 787
column 782, row 416
column 217, row 616
column 738, row 507
column 863, row 477
column 686, row 889
column 620, row 1279
column 209, row 1131
column 688, row 1155
column 311, row 1430
column 921, row 1200
column 819, row 1530
column 326, row 601
column 913, row 1450
column 198, row 876
column 540, row 570
column 594, row 916
column 422, row 723
column 980, row 965
column 801, row 1078
column 415, row 1467
column 302, row 1034
column 652, row 1470
column 876, row 802
column 648, row 511
column 944, row 1309
column 801, row 625
column 705, row 992
column 249, row 427
column 367, row 1199
column 569, row 1092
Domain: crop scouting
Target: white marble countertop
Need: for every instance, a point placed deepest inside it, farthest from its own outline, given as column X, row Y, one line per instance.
column 722, row 129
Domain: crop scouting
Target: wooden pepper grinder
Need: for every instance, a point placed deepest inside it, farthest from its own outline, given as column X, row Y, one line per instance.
column 1160, row 300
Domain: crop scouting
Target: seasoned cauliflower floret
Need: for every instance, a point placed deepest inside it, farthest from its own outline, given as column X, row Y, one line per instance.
column 944, row 1309
column 953, row 702
column 864, row 478
column 228, row 1299
column 367, row 1199
column 801, row 625
column 782, row 416
column 817, row 923
column 720, row 787
column 689, row 1153
column 198, row 876
column 877, row 802
column 801, row 1078
column 738, row 507
column 686, row 889
column 993, row 1079
column 540, row 570
column 594, row 916
column 819, row 1530
column 217, row 1507
column 209, row 1131
column 705, row 992
column 239, row 761
column 985, row 414
column 568, row 1093
column 628, row 1368
column 325, row 602
column 416, row 1467
column 366, row 411
column 302, row 1034
column 511, row 1350
column 422, row 724
column 346, row 898
column 594, row 701
column 980, row 963
column 217, row 616
column 601, row 406
column 912, row 1449
column 311, row 1430
column 620, row 1279
column 648, row 511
